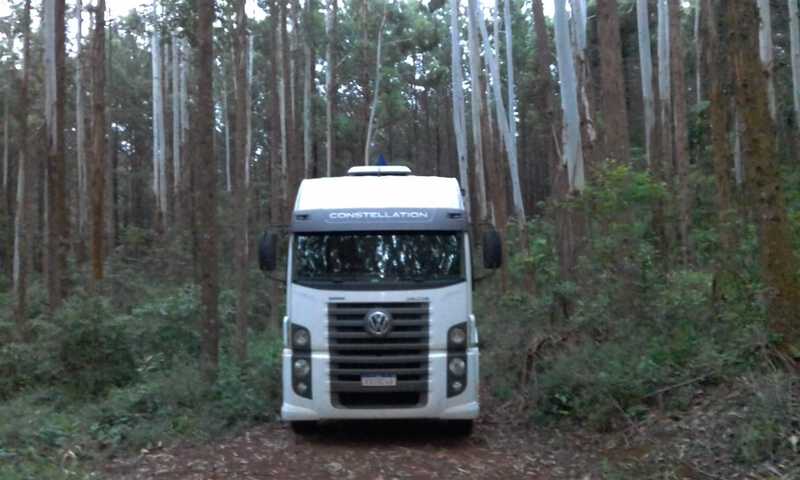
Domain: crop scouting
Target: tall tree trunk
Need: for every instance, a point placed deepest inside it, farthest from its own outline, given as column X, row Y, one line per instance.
column 509, row 141
column 699, row 47
column 159, row 152
column 571, row 134
column 615, row 114
column 476, row 106
column 97, row 186
column 55, row 91
column 240, row 194
column 307, row 81
column 176, row 119
column 665, row 89
column 779, row 263
column 544, row 99
column 330, row 85
column 766, row 51
column 646, row 69
column 281, row 86
column 276, row 165
column 376, row 93
column 23, row 228
column 80, row 130
column 717, row 68
column 226, row 118
column 206, row 192
column 681, row 131
column 794, row 35
column 459, row 118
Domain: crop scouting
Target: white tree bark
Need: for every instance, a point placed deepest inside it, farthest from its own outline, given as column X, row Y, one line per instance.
column 766, row 51
column 646, row 71
column 159, row 139
column 307, row 92
column 664, row 78
column 459, row 120
column 176, row 113
column 579, row 20
column 50, row 76
column 502, row 120
column 794, row 34
column 184, row 93
column 476, row 106
column 512, row 94
column 376, row 92
column 572, row 150
column 80, row 125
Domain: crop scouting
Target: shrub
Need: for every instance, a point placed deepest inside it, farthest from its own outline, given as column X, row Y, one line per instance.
column 94, row 351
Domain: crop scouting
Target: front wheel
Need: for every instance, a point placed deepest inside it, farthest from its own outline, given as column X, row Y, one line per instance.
column 303, row 428
column 460, row 428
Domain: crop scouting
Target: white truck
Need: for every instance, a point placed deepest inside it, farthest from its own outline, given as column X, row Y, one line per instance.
column 379, row 321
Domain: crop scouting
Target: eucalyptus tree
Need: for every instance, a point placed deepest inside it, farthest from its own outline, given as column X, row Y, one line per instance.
column 571, row 133
column 509, row 141
column 779, row 262
column 159, row 140
column 98, row 177
column 80, row 127
column 766, row 51
column 205, row 193
column 23, row 221
column 664, row 88
column 240, row 181
column 54, row 28
column 376, row 92
column 308, row 69
column 476, row 108
column 646, row 71
column 330, row 84
column 459, row 118
column 681, row 130
column 615, row 139
column 176, row 114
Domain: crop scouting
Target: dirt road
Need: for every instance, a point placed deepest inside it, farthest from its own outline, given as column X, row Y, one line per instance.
column 354, row 451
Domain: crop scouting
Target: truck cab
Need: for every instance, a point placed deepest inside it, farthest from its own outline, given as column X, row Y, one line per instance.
column 379, row 321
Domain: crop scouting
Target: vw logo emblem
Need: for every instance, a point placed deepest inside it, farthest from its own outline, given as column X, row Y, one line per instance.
column 378, row 322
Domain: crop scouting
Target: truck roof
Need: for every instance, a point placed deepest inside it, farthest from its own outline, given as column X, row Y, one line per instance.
column 379, row 191
column 374, row 202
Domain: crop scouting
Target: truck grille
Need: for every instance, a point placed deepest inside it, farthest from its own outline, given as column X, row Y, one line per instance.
column 355, row 352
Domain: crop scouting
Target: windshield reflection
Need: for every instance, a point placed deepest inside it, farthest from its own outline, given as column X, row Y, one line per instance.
column 378, row 257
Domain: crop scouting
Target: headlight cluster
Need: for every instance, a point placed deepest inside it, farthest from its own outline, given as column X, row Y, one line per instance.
column 456, row 359
column 301, row 360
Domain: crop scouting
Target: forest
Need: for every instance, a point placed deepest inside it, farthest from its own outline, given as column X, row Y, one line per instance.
column 639, row 159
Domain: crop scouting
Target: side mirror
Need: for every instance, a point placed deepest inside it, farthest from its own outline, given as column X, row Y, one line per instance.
column 268, row 252
column 492, row 249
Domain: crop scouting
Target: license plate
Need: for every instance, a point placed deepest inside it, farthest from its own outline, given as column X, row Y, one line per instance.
column 379, row 380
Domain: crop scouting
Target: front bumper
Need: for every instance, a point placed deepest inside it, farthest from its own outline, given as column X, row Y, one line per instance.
column 464, row 406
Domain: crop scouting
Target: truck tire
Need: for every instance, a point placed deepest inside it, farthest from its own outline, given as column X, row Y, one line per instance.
column 303, row 428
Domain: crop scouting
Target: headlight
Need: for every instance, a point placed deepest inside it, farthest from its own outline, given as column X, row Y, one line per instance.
column 301, row 388
column 301, row 367
column 300, row 338
column 458, row 336
column 457, row 366
column 456, row 386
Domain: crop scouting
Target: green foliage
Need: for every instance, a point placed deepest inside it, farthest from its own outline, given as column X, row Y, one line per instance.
column 629, row 331
column 93, row 351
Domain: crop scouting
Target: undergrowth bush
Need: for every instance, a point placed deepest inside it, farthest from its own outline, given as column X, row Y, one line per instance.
column 629, row 330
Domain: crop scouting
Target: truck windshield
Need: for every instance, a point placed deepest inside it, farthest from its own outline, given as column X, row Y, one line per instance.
column 378, row 258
